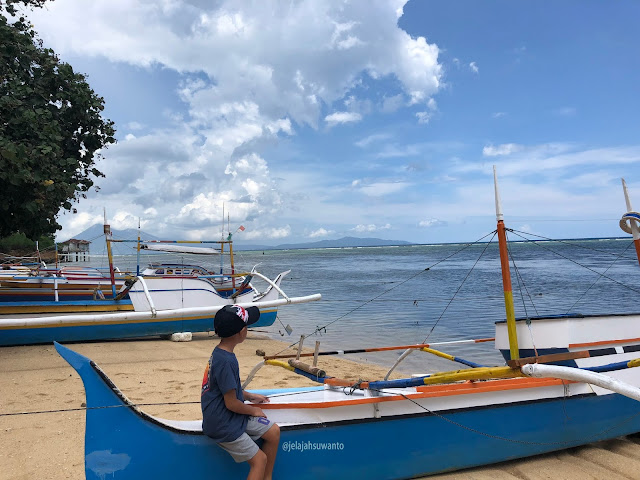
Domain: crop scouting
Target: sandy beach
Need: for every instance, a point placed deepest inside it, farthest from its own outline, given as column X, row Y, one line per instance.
column 51, row 445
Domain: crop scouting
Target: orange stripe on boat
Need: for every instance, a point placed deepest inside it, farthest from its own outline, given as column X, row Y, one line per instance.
column 603, row 342
column 431, row 392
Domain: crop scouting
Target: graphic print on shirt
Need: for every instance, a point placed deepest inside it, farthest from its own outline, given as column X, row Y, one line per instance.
column 205, row 379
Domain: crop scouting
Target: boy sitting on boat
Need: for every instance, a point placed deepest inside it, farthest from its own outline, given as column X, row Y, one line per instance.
column 233, row 424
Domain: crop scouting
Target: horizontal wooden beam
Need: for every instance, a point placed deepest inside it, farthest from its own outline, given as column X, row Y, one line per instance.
column 552, row 357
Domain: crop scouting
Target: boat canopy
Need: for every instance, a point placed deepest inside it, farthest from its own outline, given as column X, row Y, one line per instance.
column 180, row 249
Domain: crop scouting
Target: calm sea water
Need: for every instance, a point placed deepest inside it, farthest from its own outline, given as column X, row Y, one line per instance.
column 386, row 296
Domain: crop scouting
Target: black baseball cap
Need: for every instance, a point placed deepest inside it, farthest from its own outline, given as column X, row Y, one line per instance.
column 230, row 319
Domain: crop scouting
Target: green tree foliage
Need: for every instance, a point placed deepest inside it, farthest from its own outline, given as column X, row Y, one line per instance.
column 51, row 130
column 18, row 241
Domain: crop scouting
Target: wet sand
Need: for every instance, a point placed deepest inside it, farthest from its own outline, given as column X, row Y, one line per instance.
column 51, row 445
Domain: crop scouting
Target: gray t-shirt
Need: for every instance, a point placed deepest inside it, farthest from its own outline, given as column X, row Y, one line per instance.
column 221, row 375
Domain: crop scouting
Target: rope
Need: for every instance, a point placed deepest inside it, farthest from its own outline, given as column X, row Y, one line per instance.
column 560, row 241
column 323, row 328
column 573, row 261
column 460, row 286
column 597, row 279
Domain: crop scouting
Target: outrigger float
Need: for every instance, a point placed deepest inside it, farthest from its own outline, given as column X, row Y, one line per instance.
column 583, row 388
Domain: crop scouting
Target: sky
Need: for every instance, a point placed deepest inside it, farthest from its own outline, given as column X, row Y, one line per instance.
column 316, row 120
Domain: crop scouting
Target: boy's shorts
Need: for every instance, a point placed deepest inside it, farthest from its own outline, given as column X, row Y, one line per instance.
column 243, row 448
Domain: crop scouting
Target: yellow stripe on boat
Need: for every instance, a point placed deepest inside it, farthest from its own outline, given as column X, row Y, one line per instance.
column 64, row 308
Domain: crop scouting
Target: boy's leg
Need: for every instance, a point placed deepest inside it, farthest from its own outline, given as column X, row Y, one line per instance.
column 270, row 448
column 261, row 427
column 257, row 465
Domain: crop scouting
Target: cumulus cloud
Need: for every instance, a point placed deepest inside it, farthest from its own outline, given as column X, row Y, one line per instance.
column 248, row 74
column 268, row 232
column 321, row 232
column 342, row 117
column 81, row 221
column 474, row 67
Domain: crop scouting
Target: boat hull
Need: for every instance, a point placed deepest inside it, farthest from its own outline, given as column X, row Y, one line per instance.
column 110, row 330
column 124, row 443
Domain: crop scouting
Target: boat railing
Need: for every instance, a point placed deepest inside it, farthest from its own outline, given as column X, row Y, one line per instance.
column 147, row 295
column 272, row 283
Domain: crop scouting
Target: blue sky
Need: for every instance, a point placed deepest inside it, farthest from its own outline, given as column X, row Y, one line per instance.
column 316, row 120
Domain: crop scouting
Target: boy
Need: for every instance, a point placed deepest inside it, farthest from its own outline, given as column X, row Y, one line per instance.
column 225, row 416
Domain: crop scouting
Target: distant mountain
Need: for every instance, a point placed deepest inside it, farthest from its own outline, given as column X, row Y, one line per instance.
column 95, row 234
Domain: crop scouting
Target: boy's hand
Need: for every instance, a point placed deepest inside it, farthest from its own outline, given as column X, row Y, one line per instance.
column 256, row 398
column 258, row 412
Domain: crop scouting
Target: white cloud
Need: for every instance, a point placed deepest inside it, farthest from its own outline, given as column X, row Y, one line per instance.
column 123, row 220
column 432, row 222
column 268, row 232
column 342, row 117
column 500, row 150
column 498, row 114
column 423, row 117
column 80, row 221
column 321, row 232
column 474, row 67
column 372, row 227
column 248, row 74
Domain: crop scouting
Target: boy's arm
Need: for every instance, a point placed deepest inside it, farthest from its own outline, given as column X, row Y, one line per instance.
column 255, row 397
column 232, row 403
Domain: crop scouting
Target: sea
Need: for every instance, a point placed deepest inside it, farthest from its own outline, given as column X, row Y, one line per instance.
column 385, row 296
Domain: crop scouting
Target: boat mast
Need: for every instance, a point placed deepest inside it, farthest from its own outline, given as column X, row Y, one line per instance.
column 138, row 251
column 233, row 278
column 506, row 274
column 107, row 234
column 634, row 220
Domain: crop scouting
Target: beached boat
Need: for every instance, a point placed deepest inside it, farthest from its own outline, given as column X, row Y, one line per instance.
column 404, row 428
column 170, row 299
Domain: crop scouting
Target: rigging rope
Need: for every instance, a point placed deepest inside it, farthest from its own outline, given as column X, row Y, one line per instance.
column 573, row 261
column 460, row 286
column 324, row 327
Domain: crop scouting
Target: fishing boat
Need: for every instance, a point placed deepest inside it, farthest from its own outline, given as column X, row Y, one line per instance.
column 577, row 383
column 172, row 300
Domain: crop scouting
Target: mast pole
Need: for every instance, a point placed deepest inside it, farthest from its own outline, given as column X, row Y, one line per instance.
column 107, row 235
column 222, row 242
column 506, row 274
column 634, row 220
column 138, row 251
column 233, row 278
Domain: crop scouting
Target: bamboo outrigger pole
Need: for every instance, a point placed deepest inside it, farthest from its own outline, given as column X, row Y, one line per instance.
column 634, row 220
column 506, row 274
column 107, row 233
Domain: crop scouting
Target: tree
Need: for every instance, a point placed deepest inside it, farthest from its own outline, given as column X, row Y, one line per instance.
column 51, row 130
